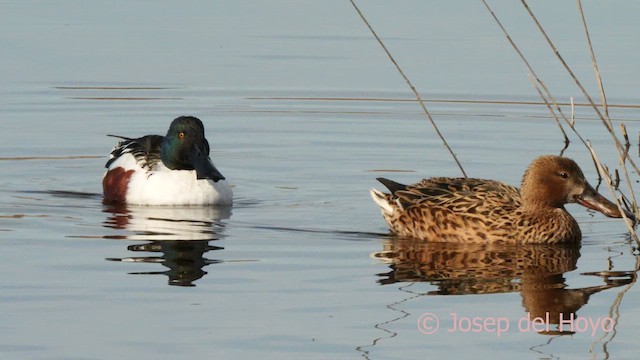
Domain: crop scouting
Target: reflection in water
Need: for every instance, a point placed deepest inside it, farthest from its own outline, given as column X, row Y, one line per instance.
column 536, row 271
column 178, row 236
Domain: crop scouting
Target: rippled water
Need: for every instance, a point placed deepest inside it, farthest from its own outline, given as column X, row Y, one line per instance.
column 302, row 265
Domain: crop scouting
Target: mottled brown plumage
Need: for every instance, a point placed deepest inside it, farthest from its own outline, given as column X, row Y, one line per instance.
column 478, row 210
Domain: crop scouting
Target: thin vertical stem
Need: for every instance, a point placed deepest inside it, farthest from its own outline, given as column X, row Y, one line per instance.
column 603, row 96
column 413, row 89
column 553, row 113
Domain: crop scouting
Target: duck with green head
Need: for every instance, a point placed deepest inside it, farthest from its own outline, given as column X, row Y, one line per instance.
column 174, row 169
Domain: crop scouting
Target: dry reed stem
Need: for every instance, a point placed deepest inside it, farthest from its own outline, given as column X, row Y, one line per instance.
column 609, row 128
column 553, row 113
column 564, row 63
column 609, row 182
column 529, row 67
column 573, row 114
column 624, row 153
column 573, row 127
column 601, row 169
column 571, row 122
column 605, row 121
column 603, row 96
column 413, row 89
column 622, row 159
column 625, row 135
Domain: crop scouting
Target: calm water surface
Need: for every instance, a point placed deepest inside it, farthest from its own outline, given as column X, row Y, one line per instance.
column 302, row 265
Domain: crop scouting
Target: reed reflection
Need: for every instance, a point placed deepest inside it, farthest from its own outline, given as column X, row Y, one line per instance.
column 178, row 238
column 536, row 271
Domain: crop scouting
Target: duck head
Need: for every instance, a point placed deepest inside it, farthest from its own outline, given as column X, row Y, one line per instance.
column 185, row 148
column 552, row 181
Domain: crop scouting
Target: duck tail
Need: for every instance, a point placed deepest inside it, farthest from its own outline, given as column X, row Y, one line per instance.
column 391, row 185
column 382, row 200
column 119, row 137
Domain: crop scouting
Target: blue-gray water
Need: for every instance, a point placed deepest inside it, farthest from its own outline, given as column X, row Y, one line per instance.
column 296, row 101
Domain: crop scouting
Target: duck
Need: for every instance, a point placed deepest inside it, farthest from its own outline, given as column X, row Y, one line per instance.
column 471, row 210
column 173, row 170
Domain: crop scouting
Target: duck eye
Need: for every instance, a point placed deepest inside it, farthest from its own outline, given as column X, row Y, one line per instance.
column 563, row 175
column 181, row 135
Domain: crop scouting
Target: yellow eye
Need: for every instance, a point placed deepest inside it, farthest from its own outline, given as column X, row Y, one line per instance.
column 181, row 135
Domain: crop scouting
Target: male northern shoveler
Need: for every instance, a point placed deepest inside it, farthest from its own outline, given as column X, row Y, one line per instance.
column 477, row 210
column 166, row 170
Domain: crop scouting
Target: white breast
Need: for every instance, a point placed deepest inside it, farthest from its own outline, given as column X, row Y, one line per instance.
column 172, row 187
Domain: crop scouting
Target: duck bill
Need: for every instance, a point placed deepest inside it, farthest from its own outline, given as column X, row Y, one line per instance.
column 203, row 165
column 594, row 201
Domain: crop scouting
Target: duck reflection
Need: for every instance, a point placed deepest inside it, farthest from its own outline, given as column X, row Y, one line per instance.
column 536, row 271
column 176, row 237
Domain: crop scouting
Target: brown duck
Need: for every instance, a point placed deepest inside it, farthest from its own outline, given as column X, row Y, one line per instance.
column 477, row 210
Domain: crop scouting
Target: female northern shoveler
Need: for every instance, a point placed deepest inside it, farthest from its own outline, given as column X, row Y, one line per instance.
column 166, row 170
column 477, row 210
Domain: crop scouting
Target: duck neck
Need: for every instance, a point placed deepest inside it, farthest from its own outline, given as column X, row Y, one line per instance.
column 172, row 156
column 535, row 193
